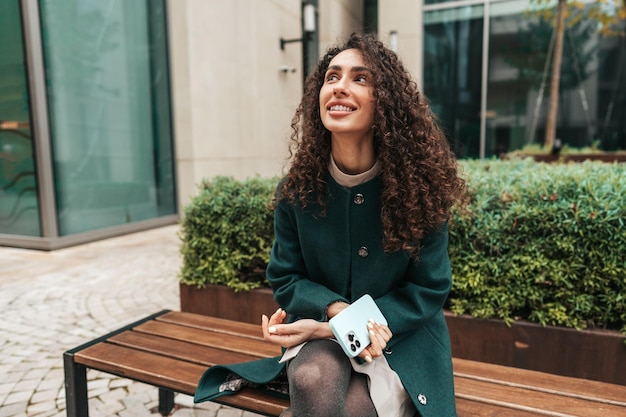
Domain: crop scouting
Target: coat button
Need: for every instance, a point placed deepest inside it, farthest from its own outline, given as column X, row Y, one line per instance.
column 363, row 252
column 359, row 199
column 422, row 399
column 387, row 351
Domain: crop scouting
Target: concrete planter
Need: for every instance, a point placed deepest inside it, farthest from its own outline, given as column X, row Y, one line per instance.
column 589, row 354
column 221, row 301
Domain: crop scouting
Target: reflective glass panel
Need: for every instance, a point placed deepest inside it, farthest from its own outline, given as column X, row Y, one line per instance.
column 110, row 122
column 436, row 1
column 591, row 83
column 452, row 73
column 19, row 206
column 518, row 46
column 611, row 90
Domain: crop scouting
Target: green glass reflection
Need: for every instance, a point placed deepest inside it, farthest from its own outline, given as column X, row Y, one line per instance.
column 611, row 132
column 519, row 82
column 452, row 73
column 108, row 98
column 518, row 46
column 19, row 207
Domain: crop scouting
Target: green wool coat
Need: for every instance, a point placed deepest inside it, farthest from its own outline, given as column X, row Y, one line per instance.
column 317, row 260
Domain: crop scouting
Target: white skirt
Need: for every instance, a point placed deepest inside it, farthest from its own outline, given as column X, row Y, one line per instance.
column 386, row 390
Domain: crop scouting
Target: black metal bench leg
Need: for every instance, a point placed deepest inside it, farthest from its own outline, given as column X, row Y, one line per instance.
column 166, row 401
column 75, row 387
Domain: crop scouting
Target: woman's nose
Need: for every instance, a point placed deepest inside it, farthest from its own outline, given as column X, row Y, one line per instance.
column 339, row 89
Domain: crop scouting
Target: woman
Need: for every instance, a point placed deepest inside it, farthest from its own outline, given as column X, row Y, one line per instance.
column 363, row 209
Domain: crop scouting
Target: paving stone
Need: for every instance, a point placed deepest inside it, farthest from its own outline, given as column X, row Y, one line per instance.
column 249, row 414
column 41, row 396
column 229, row 412
column 17, row 397
column 42, row 409
column 13, row 410
column 120, row 382
column 67, row 297
column 184, row 400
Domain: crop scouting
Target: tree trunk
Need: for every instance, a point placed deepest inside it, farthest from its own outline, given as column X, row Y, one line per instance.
column 555, row 78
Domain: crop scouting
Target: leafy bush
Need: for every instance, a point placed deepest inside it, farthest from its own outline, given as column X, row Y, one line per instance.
column 541, row 242
column 227, row 233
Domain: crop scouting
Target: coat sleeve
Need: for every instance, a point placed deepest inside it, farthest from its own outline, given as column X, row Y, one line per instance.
column 287, row 273
column 426, row 288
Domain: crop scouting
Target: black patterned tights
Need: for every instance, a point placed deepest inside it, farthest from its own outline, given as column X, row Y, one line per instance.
column 323, row 384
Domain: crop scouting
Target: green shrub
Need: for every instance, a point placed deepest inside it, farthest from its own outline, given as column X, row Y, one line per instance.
column 541, row 242
column 227, row 233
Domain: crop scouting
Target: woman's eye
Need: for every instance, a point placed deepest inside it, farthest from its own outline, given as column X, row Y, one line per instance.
column 331, row 77
column 361, row 78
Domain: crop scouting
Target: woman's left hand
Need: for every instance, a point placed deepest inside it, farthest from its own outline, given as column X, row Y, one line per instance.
column 379, row 336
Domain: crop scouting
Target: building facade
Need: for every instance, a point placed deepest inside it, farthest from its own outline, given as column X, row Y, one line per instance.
column 486, row 68
column 112, row 111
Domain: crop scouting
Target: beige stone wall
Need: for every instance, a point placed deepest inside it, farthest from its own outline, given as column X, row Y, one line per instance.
column 405, row 17
column 337, row 20
column 231, row 103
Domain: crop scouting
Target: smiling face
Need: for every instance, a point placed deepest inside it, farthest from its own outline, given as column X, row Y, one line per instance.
column 347, row 97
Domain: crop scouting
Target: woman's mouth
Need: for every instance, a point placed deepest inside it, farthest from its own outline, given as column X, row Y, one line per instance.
column 338, row 107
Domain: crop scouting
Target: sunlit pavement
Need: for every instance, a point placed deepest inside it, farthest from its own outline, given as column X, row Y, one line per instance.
column 53, row 301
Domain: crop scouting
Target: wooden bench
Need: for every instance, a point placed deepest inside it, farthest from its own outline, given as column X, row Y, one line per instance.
column 171, row 350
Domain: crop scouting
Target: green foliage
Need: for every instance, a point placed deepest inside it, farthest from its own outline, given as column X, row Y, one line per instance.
column 227, row 233
column 539, row 149
column 541, row 242
column 608, row 15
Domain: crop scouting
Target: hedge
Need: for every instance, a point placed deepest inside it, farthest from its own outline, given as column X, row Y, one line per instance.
column 541, row 242
column 227, row 233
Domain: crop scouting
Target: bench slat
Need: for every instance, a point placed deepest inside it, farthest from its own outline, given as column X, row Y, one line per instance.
column 573, row 387
column 546, row 403
column 187, row 351
column 213, row 324
column 179, row 376
column 245, row 345
column 473, row 408
column 142, row 366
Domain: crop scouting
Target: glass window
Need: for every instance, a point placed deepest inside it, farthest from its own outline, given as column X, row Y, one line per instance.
column 452, row 73
column 436, row 1
column 519, row 82
column 110, row 123
column 518, row 46
column 19, row 208
column 611, row 89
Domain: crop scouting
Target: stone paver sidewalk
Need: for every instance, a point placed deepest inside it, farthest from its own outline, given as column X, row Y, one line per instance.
column 53, row 301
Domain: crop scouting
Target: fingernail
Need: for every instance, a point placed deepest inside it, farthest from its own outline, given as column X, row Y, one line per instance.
column 278, row 310
column 370, row 325
column 372, row 333
column 272, row 329
column 368, row 359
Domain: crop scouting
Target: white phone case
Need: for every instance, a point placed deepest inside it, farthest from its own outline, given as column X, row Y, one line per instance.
column 350, row 325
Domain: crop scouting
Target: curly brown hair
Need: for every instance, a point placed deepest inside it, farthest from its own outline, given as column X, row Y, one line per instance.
column 419, row 172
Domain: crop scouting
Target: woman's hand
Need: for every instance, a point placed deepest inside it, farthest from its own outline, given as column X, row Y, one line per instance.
column 292, row 334
column 379, row 336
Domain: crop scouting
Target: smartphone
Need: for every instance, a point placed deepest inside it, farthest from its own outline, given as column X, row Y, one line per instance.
column 350, row 325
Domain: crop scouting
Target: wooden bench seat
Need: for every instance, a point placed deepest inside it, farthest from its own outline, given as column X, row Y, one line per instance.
column 171, row 350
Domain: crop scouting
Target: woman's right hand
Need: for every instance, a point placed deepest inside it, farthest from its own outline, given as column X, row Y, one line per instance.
column 292, row 334
column 379, row 336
